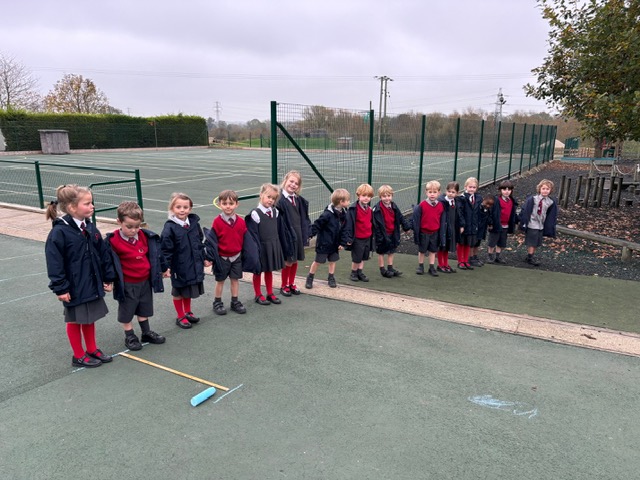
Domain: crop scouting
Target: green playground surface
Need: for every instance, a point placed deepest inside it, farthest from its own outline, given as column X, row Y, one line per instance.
column 318, row 388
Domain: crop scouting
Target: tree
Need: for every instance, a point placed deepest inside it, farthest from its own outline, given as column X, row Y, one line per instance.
column 75, row 94
column 18, row 88
column 592, row 70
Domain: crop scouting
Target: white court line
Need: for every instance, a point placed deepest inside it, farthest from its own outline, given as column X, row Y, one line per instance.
column 22, row 276
column 24, row 298
column 21, row 256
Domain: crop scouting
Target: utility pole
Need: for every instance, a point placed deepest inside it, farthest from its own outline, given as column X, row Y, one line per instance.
column 500, row 101
column 383, row 114
column 218, row 108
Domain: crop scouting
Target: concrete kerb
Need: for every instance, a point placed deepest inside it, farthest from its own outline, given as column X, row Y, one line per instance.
column 541, row 328
column 30, row 223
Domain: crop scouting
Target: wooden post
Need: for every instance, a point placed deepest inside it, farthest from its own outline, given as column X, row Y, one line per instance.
column 565, row 201
column 562, row 183
column 600, row 191
column 578, row 188
column 587, row 193
column 619, row 192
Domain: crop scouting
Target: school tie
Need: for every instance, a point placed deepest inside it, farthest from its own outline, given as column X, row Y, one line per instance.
column 132, row 240
column 540, row 207
column 231, row 221
column 293, row 200
column 473, row 200
column 185, row 225
column 269, row 213
column 83, row 229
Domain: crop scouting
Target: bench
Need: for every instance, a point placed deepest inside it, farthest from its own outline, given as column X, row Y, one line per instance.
column 627, row 246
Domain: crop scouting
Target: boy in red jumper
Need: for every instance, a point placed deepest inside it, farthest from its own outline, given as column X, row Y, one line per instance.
column 504, row 220
column 230, row 230
column 140, row 266
column 361, row 231
column 429, row 231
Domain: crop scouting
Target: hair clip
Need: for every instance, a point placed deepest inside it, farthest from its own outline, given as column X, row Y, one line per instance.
column 53, row 202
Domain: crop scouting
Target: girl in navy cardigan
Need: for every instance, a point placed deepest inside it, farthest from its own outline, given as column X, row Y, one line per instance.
column 183, row 249
column 79, row 269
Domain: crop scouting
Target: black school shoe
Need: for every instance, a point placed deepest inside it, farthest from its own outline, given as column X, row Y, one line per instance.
column 99, row 355
column 273, row 299
column 152, row 337
column 218, row 308
column 191, row 317
column 294, row 290
column 285, row 291
column 396, row 273
column 85, row 361
column 432, row 271
column 362, row 277
column 260, row 300
column 183, row 323
column 238, row 307
column 132, row 343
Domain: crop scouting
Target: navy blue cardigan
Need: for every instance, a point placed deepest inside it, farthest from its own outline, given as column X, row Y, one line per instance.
column 184, row 251
column 77, row 264
column 250, row 255
column 156, row 259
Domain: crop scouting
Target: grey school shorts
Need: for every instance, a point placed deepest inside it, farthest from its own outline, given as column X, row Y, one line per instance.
column 138, row 301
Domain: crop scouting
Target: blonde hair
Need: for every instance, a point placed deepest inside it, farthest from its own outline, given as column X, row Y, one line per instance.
column 175, row 196
column 131, row 210
column 385, row 189
column 432, row 185
column 266, row 187
column 365, row 190
column 471, row 180
column 339, row 195
column 543, row 182
column 293, row 173
column 65, row 195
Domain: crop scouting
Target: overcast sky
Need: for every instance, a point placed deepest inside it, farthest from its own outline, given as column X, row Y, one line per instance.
column 160, row 57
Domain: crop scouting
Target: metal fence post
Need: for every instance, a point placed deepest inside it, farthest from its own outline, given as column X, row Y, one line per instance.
column 422, row 144
column 481, row 146
column 533, row 139
column 139, row 188
column 455, row 160
column 39, row 182
column 524, row 141
column 513, row 133
column 370, row 173
column 495, row 165
column 274, row 143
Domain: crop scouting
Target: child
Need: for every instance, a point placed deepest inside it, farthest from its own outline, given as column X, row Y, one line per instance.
column 360, row 231
column 453, row 219
column 330, row 228
column 387, row 220
column 484, row 219
column 80, row 271
column 429, row 227
column 538, row 219
column 181, row 243
column 503, row 221
column 296, row 231
column 467, row 250
column 139, row 263
column 227, row 245
column 263, row 223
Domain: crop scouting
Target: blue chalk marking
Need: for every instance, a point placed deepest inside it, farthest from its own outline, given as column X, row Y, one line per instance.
column 516, row 408
column 227, row 393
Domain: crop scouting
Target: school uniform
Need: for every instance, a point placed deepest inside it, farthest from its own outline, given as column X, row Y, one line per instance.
column 359, row 230
column 330, row 230
column 429, row 225
column 387, row 222
column 295, row 228
column 246, row 248
column 78, row 263
column 262, row 224
column 538, row 219
column 181, row 245
column 470, row 218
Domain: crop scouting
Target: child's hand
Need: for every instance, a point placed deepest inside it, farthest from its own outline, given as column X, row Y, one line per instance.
column 107, row 287
column 65, row 298
column 167, row 274
column 340, row 248
column 461, row 229
column 207, row 263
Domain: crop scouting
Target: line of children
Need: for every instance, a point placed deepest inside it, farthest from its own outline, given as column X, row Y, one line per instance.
column 82, row 266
